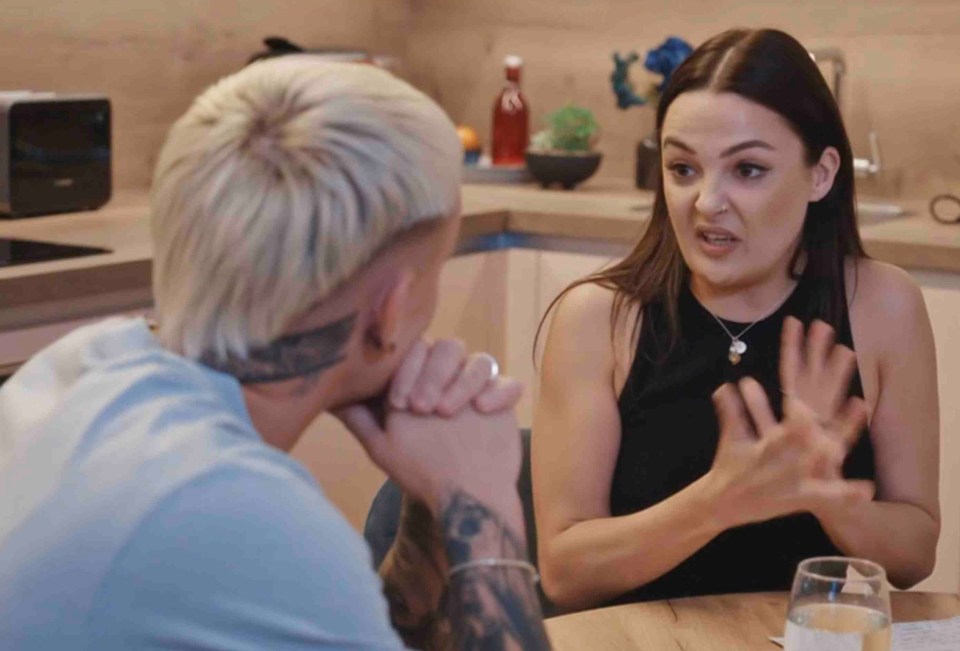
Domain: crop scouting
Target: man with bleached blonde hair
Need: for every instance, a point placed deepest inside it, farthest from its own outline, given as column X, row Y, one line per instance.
column 301, row 213
column 340, row 160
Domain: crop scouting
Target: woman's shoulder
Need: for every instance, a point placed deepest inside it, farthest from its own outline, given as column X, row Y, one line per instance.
column 588, row 303
column 885, row 300
column 586, row 300
column 588, row 315
column 881, row 290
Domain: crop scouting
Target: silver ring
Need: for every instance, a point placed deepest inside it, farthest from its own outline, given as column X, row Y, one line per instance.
column 723, row 210
column 494, row 366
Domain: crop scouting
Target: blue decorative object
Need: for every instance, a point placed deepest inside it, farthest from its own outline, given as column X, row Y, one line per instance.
column 662, row 60
column 666, row 58
column 620, row 79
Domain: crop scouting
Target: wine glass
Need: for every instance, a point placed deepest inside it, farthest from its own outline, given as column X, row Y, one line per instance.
column 838, row 604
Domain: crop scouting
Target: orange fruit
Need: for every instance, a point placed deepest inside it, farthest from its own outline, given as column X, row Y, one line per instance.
column 468, row 138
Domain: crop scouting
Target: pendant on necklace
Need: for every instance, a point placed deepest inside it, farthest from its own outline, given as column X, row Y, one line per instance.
column 737, row 349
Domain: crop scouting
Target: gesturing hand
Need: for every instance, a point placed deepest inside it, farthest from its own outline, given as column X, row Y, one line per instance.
column 765, row 469
column 814, row 370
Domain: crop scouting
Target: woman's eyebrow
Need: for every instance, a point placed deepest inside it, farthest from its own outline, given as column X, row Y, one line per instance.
column 729, row 151
column 748, row 144
column 676, row 142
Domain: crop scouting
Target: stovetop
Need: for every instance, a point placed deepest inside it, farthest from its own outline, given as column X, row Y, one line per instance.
column 16, row 252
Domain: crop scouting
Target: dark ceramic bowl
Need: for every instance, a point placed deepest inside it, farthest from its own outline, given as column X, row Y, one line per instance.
column 566, row 170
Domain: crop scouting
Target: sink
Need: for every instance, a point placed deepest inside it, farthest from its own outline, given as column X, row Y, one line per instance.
column 874, row 212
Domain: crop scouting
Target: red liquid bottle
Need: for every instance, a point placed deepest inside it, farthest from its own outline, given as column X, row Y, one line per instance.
column 511, row 118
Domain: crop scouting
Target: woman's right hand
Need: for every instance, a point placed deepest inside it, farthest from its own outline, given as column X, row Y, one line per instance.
column 766, row 469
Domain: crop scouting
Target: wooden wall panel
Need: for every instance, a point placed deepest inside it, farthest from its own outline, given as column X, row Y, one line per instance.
column 152, row 58
column 903, row 66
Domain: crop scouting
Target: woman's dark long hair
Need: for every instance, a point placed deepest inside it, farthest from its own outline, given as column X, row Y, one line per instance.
column 772, row 69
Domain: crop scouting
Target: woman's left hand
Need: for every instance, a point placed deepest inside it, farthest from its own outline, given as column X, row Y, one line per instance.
column 441, row 378
column 814, row 370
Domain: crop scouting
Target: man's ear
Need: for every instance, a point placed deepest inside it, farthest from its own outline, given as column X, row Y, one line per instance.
column 824, row 173
column 386, row 315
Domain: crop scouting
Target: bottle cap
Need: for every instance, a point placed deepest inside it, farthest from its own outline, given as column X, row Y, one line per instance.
column 513, row 61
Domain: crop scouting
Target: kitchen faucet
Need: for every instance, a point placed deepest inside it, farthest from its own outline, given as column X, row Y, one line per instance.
column 861, row 166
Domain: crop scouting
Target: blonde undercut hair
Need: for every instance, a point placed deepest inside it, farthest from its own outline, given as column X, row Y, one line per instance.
column 278, row 184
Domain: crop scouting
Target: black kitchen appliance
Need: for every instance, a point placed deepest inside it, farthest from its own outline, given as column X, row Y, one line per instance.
column 54, row 153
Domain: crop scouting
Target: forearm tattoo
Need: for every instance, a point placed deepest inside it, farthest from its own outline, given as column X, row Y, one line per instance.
column 297, row 355
column 490, row 608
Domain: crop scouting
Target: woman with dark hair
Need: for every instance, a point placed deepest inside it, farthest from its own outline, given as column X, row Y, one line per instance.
column 643, row 489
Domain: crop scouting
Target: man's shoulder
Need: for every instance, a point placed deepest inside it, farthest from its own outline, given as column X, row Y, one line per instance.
column 110, row 378
column 129, row 427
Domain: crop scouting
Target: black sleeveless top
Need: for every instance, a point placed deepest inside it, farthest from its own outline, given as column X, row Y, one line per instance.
column 669, row 439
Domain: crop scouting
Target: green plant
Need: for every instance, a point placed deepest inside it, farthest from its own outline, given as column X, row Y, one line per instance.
column 570, row 129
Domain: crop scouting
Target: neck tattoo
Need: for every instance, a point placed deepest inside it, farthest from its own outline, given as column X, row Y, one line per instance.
column 297, row 355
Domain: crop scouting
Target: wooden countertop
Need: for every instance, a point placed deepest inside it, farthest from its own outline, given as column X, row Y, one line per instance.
column 78, row 287
column 719, row 623
column 617, row 211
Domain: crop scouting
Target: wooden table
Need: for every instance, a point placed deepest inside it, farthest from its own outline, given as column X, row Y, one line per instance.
column 719, row 623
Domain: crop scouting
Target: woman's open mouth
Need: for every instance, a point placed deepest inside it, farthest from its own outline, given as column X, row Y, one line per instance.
column 716, row 241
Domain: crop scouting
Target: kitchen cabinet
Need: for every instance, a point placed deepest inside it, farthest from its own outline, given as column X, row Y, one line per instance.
column 941, row 292
column 536, row 278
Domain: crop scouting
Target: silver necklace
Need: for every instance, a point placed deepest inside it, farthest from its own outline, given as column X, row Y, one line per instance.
column 737, row 346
